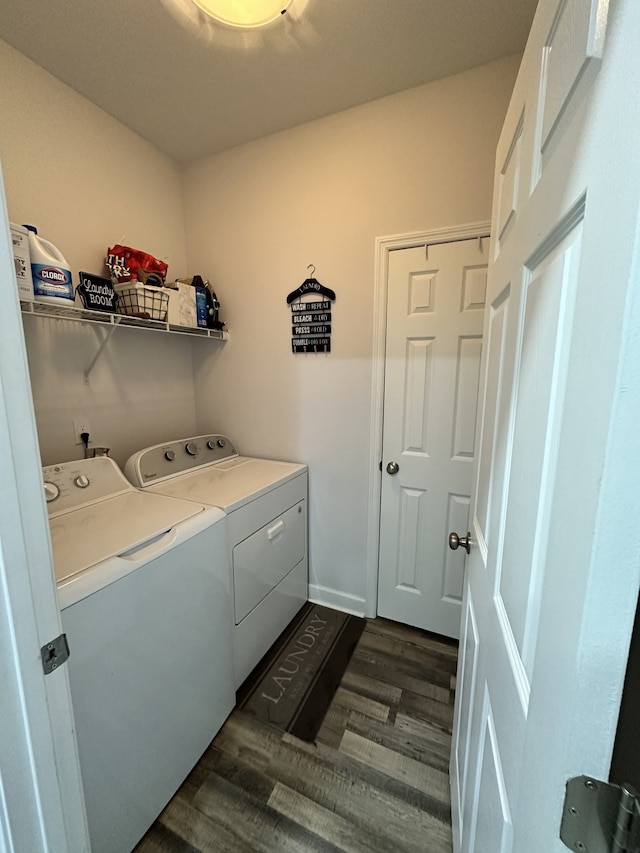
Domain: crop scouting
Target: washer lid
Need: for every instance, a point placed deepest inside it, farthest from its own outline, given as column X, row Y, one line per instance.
column 231, row 483
column 83, row 537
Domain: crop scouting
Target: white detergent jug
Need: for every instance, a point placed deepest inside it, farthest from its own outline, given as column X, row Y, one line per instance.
column 50, row 271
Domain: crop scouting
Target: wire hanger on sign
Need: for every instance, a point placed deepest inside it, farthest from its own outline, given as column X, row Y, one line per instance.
column 311, row 285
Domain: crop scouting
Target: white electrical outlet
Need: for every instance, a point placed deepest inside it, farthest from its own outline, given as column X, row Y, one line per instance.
column 81, row 425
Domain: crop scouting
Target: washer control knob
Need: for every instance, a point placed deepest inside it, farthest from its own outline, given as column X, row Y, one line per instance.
column 170, row 455
column 211, row 444
column 51, row 492
column 81, row 481
column 191, row 447
column 221, row 442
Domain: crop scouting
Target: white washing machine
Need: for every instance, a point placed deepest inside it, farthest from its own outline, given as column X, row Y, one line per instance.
column 266, row 506
column 144, row 590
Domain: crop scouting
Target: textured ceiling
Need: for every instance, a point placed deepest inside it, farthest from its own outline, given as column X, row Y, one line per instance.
column 193, row 87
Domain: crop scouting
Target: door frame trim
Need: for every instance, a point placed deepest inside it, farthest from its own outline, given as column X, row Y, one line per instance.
column 385, row 245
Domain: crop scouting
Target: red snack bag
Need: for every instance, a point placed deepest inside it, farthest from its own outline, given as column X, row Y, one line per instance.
column 124, row 262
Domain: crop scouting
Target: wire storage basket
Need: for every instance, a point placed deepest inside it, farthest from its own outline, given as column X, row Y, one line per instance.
column 141, row 300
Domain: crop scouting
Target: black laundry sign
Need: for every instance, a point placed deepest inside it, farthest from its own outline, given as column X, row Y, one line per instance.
column 311, row 321
column 97, row 293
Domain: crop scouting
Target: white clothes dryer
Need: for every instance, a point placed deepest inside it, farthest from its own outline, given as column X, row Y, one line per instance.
column 266, row 504
column 143, row 585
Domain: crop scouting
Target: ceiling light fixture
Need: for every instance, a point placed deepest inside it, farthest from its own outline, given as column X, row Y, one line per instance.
column 244, row 13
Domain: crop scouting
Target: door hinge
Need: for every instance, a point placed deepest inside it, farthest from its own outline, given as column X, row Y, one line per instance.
column 54, row 653
column 599, row 817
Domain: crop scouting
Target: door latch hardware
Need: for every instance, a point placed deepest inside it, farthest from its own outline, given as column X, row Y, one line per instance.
column 54, row 653
column 599, row 817
column 456, row 542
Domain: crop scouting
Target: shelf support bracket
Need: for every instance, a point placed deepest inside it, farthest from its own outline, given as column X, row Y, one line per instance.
column 105, row 341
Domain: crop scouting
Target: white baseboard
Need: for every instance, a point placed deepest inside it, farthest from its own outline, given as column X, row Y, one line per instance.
column 352, row 604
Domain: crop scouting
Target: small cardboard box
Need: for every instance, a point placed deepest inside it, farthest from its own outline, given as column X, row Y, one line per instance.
column 182, row 305
column 22, row 261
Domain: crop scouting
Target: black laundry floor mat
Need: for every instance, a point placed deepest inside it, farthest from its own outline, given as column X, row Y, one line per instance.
column 293, row 687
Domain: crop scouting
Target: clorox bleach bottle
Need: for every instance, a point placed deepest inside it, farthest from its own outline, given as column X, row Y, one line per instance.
column 50, row 271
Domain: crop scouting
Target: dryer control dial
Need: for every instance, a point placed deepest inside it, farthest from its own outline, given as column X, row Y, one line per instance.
column 221, row 442
column 51, row 492
column 191, row 447
column 81, row 481
column 170, row 455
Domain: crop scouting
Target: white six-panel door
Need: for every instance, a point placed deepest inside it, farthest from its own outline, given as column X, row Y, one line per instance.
column 41, row 799
column 551, row 589
column 435, row 308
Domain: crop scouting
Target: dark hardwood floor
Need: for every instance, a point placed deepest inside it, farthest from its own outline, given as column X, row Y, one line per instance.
column 375, row 780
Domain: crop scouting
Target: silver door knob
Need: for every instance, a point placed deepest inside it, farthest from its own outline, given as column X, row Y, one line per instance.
column 456, row 542
column 393, row 468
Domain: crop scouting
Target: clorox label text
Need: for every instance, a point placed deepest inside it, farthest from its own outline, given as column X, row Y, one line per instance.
column 53, row 274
